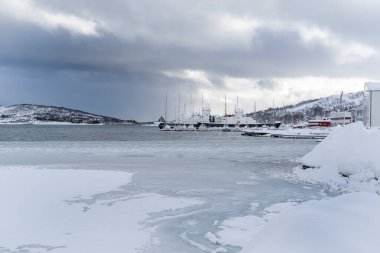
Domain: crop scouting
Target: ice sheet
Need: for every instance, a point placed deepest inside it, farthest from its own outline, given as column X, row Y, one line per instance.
column 183, row 186
column 64, row 210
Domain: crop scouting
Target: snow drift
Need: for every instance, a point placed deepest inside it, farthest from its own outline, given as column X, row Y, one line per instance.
column 347, row 160
column 348, row 223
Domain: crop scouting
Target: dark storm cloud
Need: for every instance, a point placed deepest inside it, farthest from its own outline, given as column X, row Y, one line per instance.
column 112, row 57
column 269, row 52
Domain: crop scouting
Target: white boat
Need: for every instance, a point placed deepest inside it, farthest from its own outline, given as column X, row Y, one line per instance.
column 202, row 127
column 205, row 120
column 166, row 128
column 191, row 128
column 208, row 120
column 156, row 123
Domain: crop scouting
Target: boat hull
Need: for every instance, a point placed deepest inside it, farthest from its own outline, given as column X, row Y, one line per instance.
column 212, row 125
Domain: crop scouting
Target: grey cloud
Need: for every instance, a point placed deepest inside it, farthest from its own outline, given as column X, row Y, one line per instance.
column 267, row 84
column 273, row 52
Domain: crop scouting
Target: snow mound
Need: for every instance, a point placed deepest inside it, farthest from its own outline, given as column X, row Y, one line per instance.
column 347, row 160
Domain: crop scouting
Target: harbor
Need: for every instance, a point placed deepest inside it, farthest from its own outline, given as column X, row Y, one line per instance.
column 276, row 126
column 189, row 126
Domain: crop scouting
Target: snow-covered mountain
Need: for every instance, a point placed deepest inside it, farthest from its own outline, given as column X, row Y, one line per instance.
column 34, row 114
column 310, row 109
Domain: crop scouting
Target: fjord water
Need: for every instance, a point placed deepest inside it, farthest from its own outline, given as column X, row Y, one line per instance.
column 226, row 172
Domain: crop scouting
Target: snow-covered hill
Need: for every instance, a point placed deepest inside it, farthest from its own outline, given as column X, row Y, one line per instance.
column 316, row 108
column 35, row 114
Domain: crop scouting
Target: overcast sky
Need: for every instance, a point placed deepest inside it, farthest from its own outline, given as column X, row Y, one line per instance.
column 119, row 57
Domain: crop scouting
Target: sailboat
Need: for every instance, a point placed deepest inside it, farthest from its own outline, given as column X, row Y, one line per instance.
column 161, row 123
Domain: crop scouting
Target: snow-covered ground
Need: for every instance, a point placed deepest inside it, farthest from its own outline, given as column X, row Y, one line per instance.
column 75, row 211
column 347, row 223
column 191, row 192
column 348, row 162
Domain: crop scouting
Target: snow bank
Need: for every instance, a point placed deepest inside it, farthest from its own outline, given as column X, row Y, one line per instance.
column 63, row 210
column 348, row 223
column 347, row 160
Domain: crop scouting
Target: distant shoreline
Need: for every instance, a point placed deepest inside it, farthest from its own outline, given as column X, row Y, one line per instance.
column 52, row 115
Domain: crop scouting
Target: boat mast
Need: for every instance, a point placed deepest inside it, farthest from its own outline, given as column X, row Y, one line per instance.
column 225, row 109
column 175, row 114
column 191, row 103
column 184, row 111
column 274, row 117
column 237, row 112
column 166, row 105
column 225, row 105
column 202, row 108
column 179, row 104
column 192, row 107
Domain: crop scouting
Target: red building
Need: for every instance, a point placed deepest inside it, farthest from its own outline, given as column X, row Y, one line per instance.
column 319, row 123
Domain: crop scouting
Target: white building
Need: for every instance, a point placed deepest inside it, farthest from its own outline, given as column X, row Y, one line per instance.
column 357, row 113
column 371, row 103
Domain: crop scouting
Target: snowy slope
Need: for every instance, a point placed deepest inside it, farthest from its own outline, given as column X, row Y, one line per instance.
column 349, row 101
column 34, row 114
column 316, row 108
